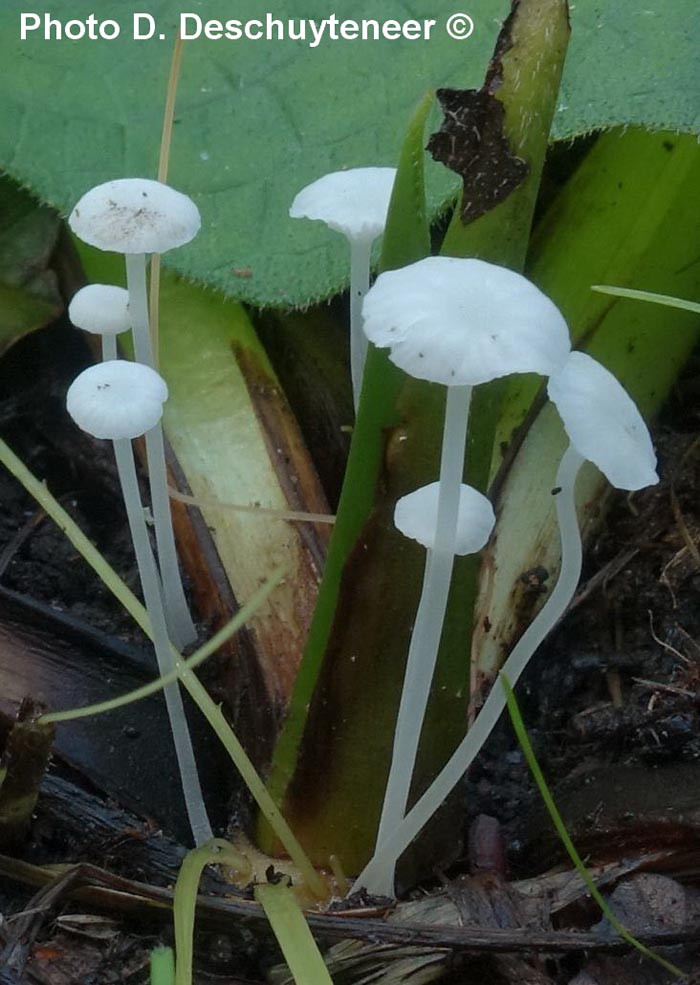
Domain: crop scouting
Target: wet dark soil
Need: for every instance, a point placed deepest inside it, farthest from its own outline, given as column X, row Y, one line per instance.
column 36, row 560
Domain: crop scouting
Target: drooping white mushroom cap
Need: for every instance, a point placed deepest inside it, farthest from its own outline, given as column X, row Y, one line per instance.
column 102, row 309
column 415, row 516
column 353, row 202
column 135, row 215
column 464, row 322
column 603, row 423
column 117, row 399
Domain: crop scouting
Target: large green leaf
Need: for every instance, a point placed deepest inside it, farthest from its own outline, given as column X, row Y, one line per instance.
column 258, row 119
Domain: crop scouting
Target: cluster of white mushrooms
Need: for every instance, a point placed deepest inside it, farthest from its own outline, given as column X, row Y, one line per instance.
column 461, row 323
column 454, row 322
column 120, row 400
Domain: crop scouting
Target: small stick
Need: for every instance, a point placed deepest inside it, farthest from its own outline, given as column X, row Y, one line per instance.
column 163, row 164
column 216, row 504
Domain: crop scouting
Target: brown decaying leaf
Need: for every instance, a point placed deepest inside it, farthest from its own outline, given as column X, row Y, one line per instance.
column 472, row 143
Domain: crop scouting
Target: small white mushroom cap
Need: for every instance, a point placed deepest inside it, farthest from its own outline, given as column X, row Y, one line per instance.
column 135, row 215
column 603, row 423
column 102, row 309
column 353, row 202
column 415, row 516
column 464, row 322
column 117, row 399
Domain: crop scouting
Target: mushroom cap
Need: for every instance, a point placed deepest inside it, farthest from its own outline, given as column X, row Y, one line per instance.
column 102, row 309
column 135, row 215
column 603, row 423
column 353, row 202
column 464, row 322
column 117, row 399
column 415, row 516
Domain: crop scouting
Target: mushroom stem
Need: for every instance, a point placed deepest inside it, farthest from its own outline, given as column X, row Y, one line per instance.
column 427, row 630
column 182, row 629
column 360, row 254
column 381, row 866
column 180, row 625
column 138, row 308
column 109, row 348
column 192, row 791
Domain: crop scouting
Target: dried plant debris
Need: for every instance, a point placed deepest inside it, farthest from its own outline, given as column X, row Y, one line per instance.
column 472, row 143
column 24, row 760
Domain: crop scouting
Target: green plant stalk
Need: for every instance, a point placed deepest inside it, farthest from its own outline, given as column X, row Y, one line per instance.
column 299, row 948
column 197, row 691
column 502, row 235
column 367, row 603
column 404, row 241
column 162, row 966
column 191, row 663
column 407, row 238
column 558, row 822
column 214, row 852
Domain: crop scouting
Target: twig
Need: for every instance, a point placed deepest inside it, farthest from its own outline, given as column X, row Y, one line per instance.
column 666, row 646
column 669, row 688
column 166, row 140
column 216, row 504
column 102, row 888
column 603, row 577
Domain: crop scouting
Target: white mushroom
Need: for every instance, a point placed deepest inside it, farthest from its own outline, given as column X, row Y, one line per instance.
column 137, row 216
column 603, row 423
column 118, row 400
column 459, row 322
column 101, row 309
column 415, row 516
column 354, row 203
column 605, row 427
column 464, row 322
column 121, row 400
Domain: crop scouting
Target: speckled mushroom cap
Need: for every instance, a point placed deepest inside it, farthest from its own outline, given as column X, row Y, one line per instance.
column 415, row 516
column 353, row 202
column 603, row 423
column 117, row 399
column 102, row 309
column 135, row 215
column 464, row 322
